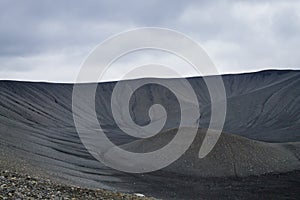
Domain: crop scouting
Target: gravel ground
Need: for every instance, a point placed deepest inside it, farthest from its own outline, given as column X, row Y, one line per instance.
column 15, row 185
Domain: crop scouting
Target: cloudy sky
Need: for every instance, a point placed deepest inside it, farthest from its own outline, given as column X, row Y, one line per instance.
column 48, row 40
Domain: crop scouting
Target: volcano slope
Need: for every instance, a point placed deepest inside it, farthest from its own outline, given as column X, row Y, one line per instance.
column 259, row 158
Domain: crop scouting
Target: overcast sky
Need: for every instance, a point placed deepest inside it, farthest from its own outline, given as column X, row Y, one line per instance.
column 48, row 40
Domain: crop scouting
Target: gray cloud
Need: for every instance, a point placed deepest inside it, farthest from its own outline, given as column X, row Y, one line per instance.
column 47, row 36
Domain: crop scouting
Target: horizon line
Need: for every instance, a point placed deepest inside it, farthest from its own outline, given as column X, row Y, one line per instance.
column 110, row 81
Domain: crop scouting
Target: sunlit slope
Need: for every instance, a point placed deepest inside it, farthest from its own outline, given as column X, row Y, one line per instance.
column 232, row 156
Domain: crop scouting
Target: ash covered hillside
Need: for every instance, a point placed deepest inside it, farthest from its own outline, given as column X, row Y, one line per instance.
column 37, row 127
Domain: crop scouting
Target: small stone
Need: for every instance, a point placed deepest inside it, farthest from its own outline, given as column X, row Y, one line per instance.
column 139, row 195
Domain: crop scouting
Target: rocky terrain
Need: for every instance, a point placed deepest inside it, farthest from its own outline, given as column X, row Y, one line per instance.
column 14, row 185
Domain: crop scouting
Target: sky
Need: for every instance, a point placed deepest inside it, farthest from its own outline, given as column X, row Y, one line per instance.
column 49, row 40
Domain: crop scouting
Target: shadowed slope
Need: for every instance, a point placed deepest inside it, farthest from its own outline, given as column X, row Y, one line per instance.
column 262, row 106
